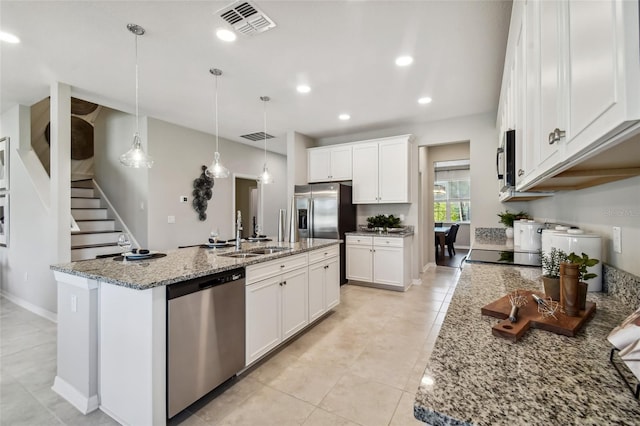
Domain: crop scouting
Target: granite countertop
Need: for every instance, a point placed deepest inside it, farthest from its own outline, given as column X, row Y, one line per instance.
column 381, row 234
column 476, row 378
column 181, row 264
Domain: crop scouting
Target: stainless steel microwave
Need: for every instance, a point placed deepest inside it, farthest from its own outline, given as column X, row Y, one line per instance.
column 506, row 160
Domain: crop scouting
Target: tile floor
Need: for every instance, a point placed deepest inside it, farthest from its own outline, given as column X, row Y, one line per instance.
column 360, row 365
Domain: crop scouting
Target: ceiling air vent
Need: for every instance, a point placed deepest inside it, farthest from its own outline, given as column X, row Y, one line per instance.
column 258, row 136
column 246, row 18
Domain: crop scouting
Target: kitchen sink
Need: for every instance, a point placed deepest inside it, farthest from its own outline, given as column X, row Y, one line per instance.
column 243, row 255
column 269, row 250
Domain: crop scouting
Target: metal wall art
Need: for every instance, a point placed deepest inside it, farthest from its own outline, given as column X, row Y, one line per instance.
column 4, row 163
column 4, row 220
column 202, row 193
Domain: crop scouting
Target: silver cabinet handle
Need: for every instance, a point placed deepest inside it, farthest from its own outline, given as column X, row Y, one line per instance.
column 556, row 135
column 520, row 172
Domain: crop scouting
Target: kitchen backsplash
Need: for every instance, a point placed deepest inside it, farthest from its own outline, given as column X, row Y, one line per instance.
column 490, row 235
column 621, row 285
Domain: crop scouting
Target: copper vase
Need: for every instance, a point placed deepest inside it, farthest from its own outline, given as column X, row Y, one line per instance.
column 569, row 292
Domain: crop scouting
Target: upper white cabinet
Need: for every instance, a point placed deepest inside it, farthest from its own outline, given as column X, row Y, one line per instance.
column 381, row 171
column 572, row 73
column 328, row 164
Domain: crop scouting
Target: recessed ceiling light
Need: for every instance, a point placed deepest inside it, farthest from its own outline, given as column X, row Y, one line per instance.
column 425, row 100
column 303, row 88
column 403, row 61
column 225, row 35
column 344, row 117
column 9, row 38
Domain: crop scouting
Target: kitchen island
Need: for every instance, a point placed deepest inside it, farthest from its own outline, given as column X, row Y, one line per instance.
column 112, row 317
column 476, row 378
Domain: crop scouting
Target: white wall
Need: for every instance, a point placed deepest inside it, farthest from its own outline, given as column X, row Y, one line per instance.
column 179, row 153
column 297, row 145
column 597, row 210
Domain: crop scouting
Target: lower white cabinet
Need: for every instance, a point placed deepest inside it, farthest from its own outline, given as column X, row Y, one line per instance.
column 324, row 281
column 379, row 260
column 276, row 309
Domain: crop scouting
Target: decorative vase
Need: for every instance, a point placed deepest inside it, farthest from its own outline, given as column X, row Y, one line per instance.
column 552, row 288
column 569, row 288
column 509, row 232
column 582, row 295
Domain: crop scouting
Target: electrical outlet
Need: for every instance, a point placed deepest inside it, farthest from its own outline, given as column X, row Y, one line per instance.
column 617, row 240
column 171, row 219
column 184, row 199
column 74, row 303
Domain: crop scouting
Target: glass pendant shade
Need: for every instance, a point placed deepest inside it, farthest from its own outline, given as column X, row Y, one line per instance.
column 216, row 169
column 136, row 157
column 265, row 177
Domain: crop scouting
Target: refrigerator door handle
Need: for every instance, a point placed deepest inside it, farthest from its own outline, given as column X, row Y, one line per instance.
column 310, row 217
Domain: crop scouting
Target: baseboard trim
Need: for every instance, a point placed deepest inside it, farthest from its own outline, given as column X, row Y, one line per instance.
column 416, row 281
column 428, row 266
column 84, row 404
column 51, row 316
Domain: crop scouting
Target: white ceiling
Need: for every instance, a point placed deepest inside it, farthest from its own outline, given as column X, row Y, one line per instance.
column 345, row 50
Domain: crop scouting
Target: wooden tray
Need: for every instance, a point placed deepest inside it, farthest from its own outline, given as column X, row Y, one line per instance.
column 528, row 316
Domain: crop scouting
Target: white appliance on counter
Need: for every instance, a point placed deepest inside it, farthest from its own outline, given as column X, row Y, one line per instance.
column 578, row 242
column 527, row 235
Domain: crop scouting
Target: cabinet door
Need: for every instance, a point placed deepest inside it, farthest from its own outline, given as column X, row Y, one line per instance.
column 318, row 161
column 593, row 73
column 332, row 283
column 295, row 302
column 551, row 99
column 317, row 305
column 387, row 265
column 365, row 173
column 393, row 172
column 341, row 163
column 359, row 263
column 263, row 326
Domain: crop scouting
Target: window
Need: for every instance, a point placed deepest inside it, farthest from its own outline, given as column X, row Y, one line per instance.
column 452, row 192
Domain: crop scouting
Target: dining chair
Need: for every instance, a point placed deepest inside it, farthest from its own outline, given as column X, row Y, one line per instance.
column 450, row 238
column 438, row 224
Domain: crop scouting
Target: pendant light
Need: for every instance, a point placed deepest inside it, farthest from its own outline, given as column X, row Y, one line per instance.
column 136, row 157
column 265, row 177
column 217, row 170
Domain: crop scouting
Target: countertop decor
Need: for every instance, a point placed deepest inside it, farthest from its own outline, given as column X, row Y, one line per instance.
column 181, row 264
column 545, row 378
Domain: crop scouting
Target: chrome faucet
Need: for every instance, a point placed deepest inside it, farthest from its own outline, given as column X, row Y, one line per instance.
column 238, row 229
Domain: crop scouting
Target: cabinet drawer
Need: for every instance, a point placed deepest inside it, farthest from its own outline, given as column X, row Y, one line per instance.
column 388, row 242
column 274, row 267
column 323, row 253
column 358, row 240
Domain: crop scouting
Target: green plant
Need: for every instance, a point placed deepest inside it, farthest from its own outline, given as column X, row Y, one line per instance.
column 583, row 262
column 383, row 221
column 551, row 262
column 507, row 218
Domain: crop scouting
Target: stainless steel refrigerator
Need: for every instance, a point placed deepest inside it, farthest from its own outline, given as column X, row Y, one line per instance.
column 325, row 211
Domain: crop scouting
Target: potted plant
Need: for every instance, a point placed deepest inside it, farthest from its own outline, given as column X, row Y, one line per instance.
column 507, row 218
column 382, row 222
column 551, row 272
column 583, row 262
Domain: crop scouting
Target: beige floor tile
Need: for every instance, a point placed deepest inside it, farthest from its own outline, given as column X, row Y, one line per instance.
column 320, row 417
column 224, row 401
column 404, row 412
column 271, row 367
column 362, row 400
column 269, row 407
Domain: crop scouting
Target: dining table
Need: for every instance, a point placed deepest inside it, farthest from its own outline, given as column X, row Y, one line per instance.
column 441, row 233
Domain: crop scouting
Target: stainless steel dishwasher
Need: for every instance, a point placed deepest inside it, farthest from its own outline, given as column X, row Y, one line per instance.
column 205, row 336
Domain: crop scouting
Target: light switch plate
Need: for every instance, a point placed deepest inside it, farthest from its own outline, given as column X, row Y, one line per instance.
column 617, row 240
column 171, row 219
column 183, row 199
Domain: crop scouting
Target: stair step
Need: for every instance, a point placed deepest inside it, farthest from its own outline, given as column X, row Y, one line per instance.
column 85, row 202
column 94, row 238
column 84, row 214
column 92, row 250
column 82, row 183
column 82, row 192
column 96, row 225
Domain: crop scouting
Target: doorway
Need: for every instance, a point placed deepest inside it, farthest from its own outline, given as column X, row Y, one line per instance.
column 246, row 200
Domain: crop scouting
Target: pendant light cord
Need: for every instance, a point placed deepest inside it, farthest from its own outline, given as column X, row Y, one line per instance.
column 137, row 121
column 216, row 108
column 265, row 131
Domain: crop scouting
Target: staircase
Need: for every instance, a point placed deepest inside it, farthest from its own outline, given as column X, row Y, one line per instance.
column 97, row 234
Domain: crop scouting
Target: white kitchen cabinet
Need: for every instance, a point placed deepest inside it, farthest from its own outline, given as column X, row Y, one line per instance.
column 324, row 281
column 381, row 171
column 379, row 260
column 582, row 76
column 328, row 164
column 276, row 306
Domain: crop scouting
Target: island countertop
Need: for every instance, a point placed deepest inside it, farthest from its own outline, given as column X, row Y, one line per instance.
column 476, row 378
column 181, row 264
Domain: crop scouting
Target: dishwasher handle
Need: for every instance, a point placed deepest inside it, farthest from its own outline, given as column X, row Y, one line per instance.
column 202, row 283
